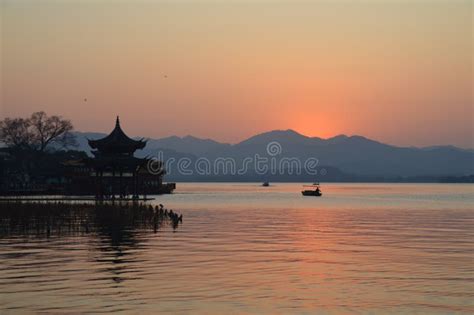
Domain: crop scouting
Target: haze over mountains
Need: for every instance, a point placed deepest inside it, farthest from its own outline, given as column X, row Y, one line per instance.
column 344, row 157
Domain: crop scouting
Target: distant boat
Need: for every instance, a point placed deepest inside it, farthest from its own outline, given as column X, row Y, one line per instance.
column 314, row 191
column 265, row 184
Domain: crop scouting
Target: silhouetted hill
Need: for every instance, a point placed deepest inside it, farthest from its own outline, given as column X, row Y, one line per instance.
column 188, row 144
column 284, row 137
column 354, row 155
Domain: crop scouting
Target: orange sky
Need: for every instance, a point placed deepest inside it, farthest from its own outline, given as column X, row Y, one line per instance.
column 396, row 71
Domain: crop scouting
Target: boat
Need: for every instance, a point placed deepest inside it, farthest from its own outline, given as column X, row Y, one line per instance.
column 265, row 184
column 314, row 191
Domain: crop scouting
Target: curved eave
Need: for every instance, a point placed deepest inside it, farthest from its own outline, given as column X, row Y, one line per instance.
column 117, row 138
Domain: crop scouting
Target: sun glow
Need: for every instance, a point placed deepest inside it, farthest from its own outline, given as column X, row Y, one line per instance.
column 225, row 71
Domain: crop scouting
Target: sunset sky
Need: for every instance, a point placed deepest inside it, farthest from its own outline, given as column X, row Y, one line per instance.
column 396, row 71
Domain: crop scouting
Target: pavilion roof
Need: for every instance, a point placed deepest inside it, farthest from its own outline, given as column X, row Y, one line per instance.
column 117, row 142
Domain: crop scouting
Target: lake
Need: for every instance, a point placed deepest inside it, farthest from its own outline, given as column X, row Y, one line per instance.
column 242, row 248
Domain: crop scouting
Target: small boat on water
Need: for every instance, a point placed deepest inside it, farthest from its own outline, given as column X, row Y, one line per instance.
column 265, row 184
column 314, row 191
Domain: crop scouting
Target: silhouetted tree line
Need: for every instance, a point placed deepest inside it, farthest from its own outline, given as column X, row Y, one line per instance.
column 32, row 150
column 37, row 133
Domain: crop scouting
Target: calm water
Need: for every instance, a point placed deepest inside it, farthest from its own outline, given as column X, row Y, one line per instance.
column 364, row 248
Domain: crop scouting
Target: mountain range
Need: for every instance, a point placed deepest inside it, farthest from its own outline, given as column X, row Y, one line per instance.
column 347, row 157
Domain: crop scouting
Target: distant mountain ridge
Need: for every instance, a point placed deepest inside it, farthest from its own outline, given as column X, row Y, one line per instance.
column 349, row 154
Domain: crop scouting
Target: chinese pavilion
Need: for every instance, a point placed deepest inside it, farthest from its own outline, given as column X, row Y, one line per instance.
column 115, row 171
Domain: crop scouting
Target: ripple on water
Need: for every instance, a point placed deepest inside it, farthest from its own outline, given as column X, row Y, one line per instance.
column 246, row 257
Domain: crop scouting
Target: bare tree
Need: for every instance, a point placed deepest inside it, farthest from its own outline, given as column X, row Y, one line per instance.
column 16, row 133
column 37, row 133
column 51, row 130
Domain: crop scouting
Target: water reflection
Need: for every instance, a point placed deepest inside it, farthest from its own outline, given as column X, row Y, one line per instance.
column 117, row 221
column 113, row 227
column 246, row 253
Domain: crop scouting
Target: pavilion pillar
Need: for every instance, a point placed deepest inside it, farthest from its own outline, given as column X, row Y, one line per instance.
column 100, row 184
column 97, row 184
column 113, row 183
column 121, row 192
column 135, row 184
